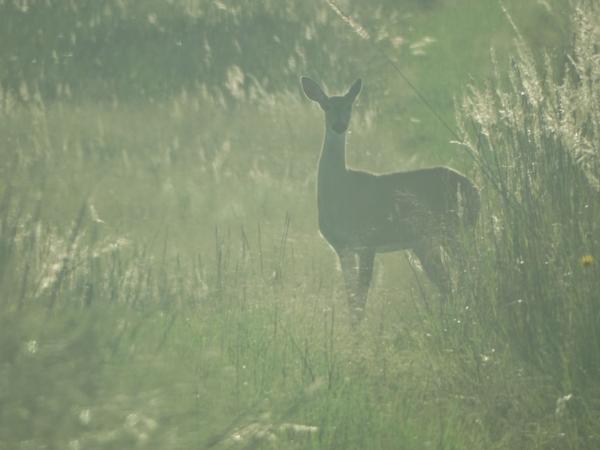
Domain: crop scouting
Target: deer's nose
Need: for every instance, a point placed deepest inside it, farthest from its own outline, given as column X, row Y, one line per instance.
column 339, row 127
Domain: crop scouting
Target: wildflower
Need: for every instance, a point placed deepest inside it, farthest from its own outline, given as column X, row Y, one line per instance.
column 586, row 260
column 32, row 346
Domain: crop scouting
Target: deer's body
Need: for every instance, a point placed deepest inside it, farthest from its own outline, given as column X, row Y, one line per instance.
column 361, row 213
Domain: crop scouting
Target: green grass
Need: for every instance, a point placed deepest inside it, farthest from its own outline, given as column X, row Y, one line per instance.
column 162, row 281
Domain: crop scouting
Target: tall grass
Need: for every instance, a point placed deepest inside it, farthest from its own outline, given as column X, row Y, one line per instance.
column 534, row 136
column 107, row 346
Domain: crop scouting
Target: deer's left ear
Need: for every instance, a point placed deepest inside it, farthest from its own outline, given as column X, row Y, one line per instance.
column 354, row 90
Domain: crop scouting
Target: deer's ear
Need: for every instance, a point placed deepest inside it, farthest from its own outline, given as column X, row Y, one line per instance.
column 354, row 90
column 313, row 91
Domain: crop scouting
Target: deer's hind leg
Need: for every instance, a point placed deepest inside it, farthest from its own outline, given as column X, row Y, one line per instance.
column 430, row 257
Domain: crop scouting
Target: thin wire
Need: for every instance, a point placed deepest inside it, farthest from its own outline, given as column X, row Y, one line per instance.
column 364, row 34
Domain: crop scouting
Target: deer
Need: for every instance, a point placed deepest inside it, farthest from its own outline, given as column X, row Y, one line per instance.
column 361, row 214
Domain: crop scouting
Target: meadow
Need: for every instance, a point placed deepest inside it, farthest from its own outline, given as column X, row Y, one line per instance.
column 162, row 280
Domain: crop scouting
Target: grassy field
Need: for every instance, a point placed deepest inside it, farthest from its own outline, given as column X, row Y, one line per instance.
column 162, row 280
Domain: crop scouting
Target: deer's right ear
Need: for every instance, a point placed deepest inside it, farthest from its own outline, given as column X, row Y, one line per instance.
column 313, row 91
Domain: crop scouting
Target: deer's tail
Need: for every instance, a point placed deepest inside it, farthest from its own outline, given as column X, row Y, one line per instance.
column 471, row 202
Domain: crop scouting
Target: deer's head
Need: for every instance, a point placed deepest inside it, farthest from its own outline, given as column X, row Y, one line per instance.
column 337, row 108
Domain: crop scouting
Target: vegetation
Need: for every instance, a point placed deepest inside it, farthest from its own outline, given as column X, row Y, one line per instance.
column 162, row 282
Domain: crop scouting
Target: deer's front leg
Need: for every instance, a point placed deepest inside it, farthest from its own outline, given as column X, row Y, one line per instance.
column 350, row 270
column 365, row 273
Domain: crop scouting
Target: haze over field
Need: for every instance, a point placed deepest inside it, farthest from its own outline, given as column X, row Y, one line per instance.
column 163, row 281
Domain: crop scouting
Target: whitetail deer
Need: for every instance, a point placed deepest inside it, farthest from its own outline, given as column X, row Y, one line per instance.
column 361, row 213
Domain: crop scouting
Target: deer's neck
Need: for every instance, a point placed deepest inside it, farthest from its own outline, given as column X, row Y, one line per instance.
column 332, row 163
column 331, row 178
